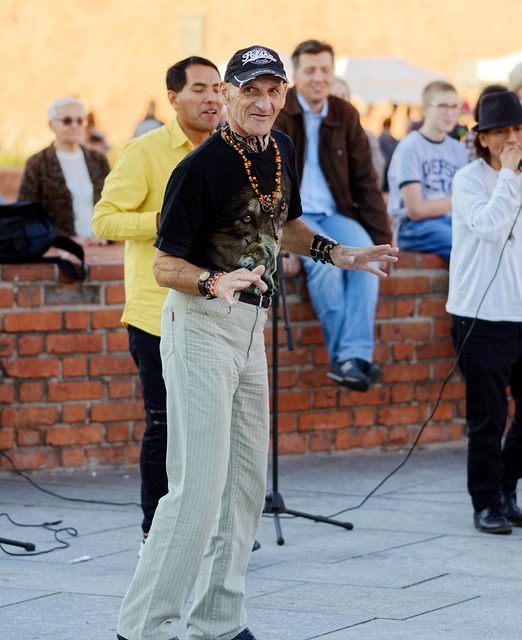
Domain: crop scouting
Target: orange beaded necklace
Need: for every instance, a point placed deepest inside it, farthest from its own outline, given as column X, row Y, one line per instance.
column 267, row 202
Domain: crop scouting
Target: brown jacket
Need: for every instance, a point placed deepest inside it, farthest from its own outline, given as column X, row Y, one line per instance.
column 43, row 181
column 344, row 155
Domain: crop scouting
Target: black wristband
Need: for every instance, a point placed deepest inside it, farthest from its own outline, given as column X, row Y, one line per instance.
column 321, row 247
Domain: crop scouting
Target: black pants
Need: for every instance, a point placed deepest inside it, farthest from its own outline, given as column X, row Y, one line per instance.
column 491, row 361
column 144, row 349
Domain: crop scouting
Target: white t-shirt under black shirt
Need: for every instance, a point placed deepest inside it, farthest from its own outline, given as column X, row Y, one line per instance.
column 79, row 183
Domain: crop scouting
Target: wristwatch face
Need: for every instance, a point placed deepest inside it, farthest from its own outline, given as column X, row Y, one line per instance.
column 204, row 276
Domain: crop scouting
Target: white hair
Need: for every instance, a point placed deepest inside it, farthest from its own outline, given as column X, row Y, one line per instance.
column 52, row 112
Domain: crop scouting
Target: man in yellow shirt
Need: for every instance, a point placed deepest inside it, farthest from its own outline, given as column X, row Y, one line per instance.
column 129, row 210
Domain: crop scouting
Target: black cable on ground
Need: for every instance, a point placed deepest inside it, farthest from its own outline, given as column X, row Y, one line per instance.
column 57, row 495
column 48, row 526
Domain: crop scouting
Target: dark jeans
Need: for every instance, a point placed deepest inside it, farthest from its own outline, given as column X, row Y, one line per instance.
column 491, row 360
column 144, row 349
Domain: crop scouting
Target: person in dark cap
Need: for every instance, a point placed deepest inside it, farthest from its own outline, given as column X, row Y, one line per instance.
column 229, row 207
column 469, row 139
column 485, row 300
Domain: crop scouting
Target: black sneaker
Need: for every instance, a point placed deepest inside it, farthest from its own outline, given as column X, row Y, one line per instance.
column 491, row 520
column 246, row 634
column 349, row 374
column 122, row 638
column 372, row 370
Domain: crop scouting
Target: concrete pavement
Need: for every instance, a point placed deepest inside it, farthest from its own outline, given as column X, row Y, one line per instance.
column 413, row 567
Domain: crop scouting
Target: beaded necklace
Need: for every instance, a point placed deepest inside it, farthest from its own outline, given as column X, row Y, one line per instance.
column 267, row 202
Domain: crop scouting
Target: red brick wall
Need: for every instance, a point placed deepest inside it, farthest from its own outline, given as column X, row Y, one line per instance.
column 414, row 349
column 69, row 394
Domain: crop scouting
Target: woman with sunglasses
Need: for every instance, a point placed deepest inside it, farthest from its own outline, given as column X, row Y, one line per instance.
column 65, row 177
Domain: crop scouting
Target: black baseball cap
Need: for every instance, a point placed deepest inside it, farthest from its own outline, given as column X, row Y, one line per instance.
column 247, row 64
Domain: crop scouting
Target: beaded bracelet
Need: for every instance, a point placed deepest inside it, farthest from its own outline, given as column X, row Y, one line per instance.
column 321, row 247
column 210, row 284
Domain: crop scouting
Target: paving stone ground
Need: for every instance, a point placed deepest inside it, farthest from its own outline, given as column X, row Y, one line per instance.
column 412, row 568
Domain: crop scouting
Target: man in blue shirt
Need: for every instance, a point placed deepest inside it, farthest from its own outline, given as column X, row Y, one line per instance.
column 341, row 199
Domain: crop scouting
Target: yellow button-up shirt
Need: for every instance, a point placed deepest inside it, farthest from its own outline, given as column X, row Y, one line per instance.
column 130, row 201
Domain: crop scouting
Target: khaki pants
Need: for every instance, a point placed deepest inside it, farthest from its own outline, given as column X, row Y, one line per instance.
column 215, row 371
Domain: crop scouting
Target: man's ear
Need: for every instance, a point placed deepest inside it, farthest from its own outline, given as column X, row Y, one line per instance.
column 172, row 97
column 285, row 90
column 223, row 91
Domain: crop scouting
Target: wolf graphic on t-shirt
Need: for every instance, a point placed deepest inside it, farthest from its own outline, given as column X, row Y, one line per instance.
column 249, row 237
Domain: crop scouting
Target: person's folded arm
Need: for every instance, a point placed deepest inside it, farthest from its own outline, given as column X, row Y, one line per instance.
column 419, row 208
column 178, row 274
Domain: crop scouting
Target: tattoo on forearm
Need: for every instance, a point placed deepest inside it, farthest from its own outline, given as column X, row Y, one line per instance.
column 177, row 271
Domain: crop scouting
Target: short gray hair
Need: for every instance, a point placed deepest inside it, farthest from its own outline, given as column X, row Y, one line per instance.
column 52, row 111
column 515, row 77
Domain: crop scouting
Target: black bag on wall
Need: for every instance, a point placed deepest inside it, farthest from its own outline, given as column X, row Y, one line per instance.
column 27, row 232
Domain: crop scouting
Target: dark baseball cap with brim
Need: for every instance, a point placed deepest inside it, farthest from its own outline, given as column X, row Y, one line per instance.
column 496, row 110
column 252, row 62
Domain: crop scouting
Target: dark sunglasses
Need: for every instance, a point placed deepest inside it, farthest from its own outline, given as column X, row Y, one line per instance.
column 68, row 121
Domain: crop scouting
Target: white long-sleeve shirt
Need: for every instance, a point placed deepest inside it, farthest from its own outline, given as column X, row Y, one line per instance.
column 486, row 204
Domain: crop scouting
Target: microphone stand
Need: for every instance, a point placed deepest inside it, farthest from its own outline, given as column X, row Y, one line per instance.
column 274, row 503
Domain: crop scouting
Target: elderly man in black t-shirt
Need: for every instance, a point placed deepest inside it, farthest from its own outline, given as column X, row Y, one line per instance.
column 228, row 208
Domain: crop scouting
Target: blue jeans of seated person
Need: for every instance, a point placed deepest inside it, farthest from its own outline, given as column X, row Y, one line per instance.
column 145, row 351
column 344, row 301
column 432, row 235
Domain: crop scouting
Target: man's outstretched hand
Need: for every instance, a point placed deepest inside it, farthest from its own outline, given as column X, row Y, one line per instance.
column 364, row 258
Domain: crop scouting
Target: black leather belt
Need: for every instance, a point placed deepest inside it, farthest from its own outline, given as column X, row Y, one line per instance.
column 259, row 301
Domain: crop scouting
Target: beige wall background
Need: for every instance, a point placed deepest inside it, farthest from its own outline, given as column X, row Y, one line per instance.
column 113, row 54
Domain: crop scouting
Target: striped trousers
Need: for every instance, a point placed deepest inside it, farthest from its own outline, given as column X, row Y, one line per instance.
column 215, row 371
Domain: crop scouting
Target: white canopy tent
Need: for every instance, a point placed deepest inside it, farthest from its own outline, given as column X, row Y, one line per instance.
column 376, row 79
column 494, row 70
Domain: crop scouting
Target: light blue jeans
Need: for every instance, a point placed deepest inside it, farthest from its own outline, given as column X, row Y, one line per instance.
column 344, row 301
column 432, row 235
